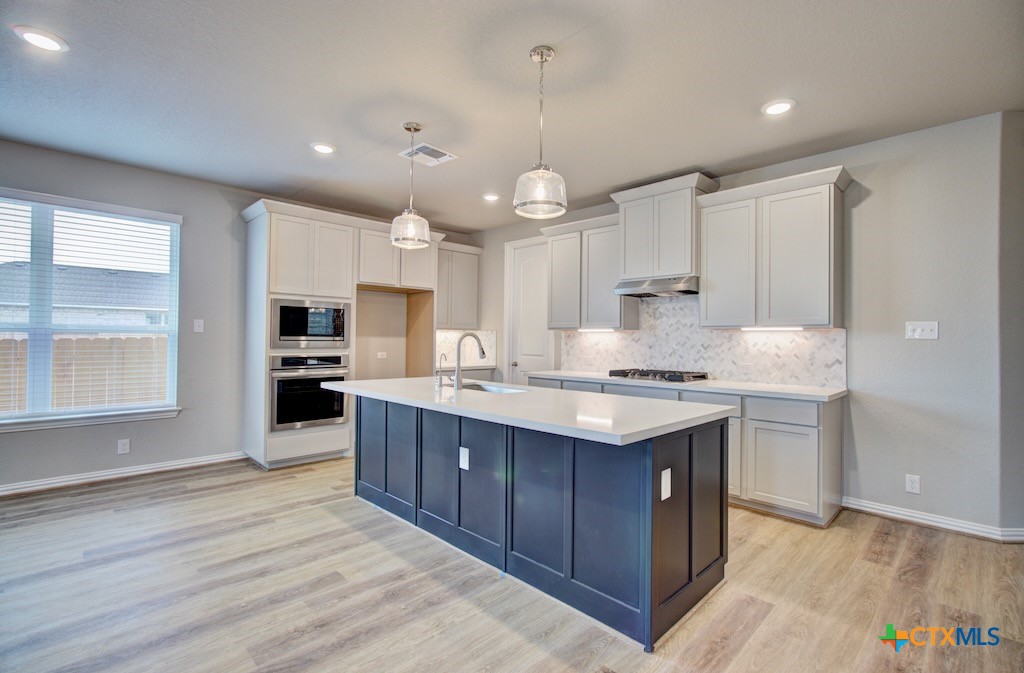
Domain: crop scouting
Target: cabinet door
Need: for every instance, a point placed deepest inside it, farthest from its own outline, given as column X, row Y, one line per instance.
column 796, row 275
column 636, row 220
column 443, row 293
column 372, row 448
column 292, row 241
column 482, row 480
column 378, row 259
column 727, row 292
column 439, row 455
column 333, row 256
column 564, row 290
column 736, row 457
column 642, row 391
column 418, row 267
column 465, row 290
column 782, row 465
column 674, row 253
column 601, row 271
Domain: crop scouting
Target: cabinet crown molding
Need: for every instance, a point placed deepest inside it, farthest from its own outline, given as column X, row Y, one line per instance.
column 581, row 225
column 836, row 175
column 265, row 206
column 698, row 181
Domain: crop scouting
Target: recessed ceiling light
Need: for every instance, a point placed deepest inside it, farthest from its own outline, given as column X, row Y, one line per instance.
column 324, row 148
column 777, row 107
column 491, row 197
column 41, row 38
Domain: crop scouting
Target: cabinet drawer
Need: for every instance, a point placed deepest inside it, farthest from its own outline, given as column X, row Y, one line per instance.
column 713, row 398
column 781, row 411
column 643, row 391
column 544, row 383
column 582, row 386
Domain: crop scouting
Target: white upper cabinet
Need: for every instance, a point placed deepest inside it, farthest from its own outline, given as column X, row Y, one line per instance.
column 636, row 222
column 418, row 267
column 458, row 287
column 332, row 268
column 600, row 307
column 796, row 275
column 310, row 258
column 657, row 227
column 585, row 259
column 727, row 286
column 564, row 289
column 772, row 252
column 378, row 260
column 292, row 242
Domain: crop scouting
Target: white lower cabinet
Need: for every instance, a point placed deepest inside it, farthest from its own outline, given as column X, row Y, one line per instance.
column 782, row 465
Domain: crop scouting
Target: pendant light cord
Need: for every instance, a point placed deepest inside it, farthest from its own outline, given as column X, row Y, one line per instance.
column 412, row 142
column 542, row 112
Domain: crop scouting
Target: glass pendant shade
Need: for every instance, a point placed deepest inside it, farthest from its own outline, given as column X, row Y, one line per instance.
column 540, row 194
column 410, row 231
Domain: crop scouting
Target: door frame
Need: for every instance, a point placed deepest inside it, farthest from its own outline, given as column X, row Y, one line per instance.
column 510, row 248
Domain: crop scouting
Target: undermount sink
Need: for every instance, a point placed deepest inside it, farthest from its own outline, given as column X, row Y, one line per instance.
column 485, row 388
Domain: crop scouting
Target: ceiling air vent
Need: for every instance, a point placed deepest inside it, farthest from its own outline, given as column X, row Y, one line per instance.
column 428, row 155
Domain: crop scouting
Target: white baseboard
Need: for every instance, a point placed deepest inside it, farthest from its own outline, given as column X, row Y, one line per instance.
column 948, row 523
column 117, row 473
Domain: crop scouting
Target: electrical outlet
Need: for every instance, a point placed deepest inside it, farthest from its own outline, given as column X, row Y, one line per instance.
column 382, row 355
column 198, row 325
column 914, row 484
column 124, row 446
column 922, row 329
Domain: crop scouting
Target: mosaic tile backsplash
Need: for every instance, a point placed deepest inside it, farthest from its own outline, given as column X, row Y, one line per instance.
column 671, row 338
column 447, row 338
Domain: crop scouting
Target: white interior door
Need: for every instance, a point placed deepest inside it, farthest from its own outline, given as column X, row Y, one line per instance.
column 529, row 345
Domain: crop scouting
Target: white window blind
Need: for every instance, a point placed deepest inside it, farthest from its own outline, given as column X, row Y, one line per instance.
column 88, row 309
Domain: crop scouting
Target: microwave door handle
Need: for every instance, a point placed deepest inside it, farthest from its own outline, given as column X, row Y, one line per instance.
column 308, row 374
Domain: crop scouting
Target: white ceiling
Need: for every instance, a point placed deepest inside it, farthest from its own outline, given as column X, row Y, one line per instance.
column 235, row 90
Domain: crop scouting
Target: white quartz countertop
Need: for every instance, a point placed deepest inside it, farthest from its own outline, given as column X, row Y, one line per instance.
column 611, row 419
column 791, row 392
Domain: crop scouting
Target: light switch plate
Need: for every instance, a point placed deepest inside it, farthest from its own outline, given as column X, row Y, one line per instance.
column 922, row 329
column 382, row 355
column 463, row 458
column 124, row 446
column 666, row 483
column 198, row 325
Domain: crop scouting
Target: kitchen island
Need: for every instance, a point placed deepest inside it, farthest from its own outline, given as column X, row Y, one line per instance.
column 613, row 505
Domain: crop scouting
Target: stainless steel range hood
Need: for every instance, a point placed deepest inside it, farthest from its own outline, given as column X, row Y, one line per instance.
column 658, row 287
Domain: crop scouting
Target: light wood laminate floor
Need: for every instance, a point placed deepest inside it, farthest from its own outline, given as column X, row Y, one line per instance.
column 227, row 568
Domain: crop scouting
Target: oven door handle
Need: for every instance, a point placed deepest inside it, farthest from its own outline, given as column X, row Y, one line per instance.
column 307, row 373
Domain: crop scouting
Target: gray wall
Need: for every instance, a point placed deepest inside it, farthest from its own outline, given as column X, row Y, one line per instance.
column 209, row 364
column 922, row 243
column 380, row 328
column 1011, row 319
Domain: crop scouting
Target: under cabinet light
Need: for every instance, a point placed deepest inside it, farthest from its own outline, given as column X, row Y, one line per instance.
column 771, row 329
column 594, row 330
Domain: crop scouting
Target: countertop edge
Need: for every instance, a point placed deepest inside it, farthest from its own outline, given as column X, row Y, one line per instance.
column 527, row 424
column 712, row 386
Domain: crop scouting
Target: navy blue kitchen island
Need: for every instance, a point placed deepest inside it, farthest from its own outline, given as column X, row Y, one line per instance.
column 632, row 534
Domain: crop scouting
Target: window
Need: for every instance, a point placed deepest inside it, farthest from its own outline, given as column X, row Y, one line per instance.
column 88, row 312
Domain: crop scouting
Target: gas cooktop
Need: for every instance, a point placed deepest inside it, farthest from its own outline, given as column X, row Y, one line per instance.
column 659, row 375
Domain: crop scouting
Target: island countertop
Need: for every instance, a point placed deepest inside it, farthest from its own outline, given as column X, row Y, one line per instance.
column 611, row 419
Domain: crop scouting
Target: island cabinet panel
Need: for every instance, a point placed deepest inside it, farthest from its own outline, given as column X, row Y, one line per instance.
column 671, row 557
column 400, row 468
column 439, row 469
column 539, row 503
column 462, row 484
column 386, row 445
column 372, row 449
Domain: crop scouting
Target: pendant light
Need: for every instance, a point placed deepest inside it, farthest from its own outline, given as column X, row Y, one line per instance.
column 409, row 230
column 540, row 192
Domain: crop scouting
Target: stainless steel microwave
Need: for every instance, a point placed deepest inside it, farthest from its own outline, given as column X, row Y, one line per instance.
column 308, row 323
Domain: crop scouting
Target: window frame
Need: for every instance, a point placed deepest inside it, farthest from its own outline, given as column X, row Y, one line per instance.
column 121, row 413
